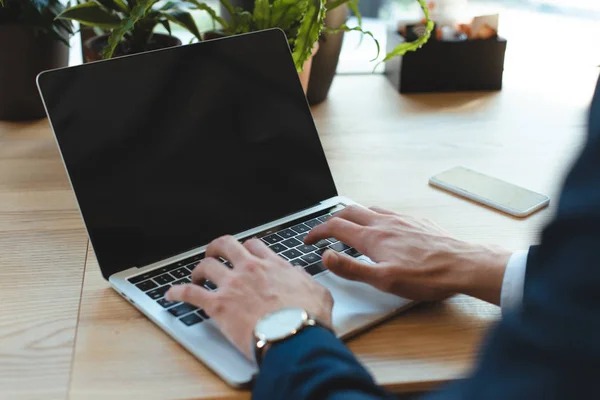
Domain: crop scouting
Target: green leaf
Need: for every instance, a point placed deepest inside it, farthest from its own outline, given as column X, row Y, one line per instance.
column 115, row 5
column 227, row 5
column 2, row 3
column 262, row 14
column 403, row 48
column 213, row 14
column 353, row 6
column 91, row 14
column 308, row 32
column 346, row 28
column 335, row 4
column 182, row 18
column 167, row 25
column 242, row 22
column 139, row 11
column 287, row 13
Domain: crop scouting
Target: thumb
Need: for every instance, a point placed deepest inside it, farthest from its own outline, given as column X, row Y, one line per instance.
column 347, row 267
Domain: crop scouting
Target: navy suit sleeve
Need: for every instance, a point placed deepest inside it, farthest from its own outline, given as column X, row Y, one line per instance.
column 314, row 365
column 550, row 347
column 547, row 349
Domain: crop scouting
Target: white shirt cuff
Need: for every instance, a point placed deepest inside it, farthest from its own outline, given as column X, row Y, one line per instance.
column 513, row 283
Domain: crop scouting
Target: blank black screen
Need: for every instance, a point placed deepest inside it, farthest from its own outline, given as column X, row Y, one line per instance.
column 170, row 149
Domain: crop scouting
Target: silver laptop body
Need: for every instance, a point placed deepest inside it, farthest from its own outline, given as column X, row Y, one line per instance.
column 116, row 214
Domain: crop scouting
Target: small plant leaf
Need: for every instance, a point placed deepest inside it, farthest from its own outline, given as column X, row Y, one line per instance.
column 346, row 28
column 353, row 6
column 92, row 14
column 184, row 19
column 262, row 14
column 165, row 23
column 113, row 5
column 139, row 11
column 227, row 5
column 286, row 13
column 403, row 48
column 308, row 32
column 213, row 14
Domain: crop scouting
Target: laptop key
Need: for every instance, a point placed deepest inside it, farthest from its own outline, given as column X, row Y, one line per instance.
column 333, row 240
column 315, row 268
column 299, row 263
column 311, row 258
column 322, row 243
column 158, row 293
column 321, row 251
column 272, row 239
column 313, row 222
column 291, row 242
column 164, row 279
column 287, row 233
column 180, row 273
column 324, row 217
column 339, row 247
column 203, row 314
column 300, row 228
column 145, row 276
column 166, row 304
column 210, row 285
column 182, row 281
column 305, row 248
column 292, row 253
column 146, row 285
column 182, row 309
column 191, row 319
column 302, row 236
column 278, row 247
column 352, row 252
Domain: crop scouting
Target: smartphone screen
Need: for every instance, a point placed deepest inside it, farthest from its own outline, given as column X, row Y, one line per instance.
column 490, row 191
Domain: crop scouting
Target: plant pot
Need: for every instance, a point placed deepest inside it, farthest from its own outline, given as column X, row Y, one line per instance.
column 305, row 76
column 94, row 46
column 24, row 54
column 86, row 33
column 325, row 62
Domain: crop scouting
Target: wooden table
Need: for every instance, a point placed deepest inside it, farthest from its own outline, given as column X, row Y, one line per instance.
column 64, row 332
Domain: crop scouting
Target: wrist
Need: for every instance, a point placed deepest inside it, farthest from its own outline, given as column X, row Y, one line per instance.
column 478, row 271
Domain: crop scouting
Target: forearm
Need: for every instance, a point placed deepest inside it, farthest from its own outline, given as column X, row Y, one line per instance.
column 314, row 364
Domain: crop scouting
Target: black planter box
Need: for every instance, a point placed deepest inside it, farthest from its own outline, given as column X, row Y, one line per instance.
column 442, row 66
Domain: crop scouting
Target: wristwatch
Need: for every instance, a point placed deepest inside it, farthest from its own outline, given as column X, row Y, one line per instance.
column 279, row 326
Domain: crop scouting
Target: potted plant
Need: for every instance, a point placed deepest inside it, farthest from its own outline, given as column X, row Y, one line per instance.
column 31, row 40
column 131, row 24
column 303, row 21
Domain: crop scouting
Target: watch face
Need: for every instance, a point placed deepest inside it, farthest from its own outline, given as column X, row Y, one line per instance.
column 280, row 324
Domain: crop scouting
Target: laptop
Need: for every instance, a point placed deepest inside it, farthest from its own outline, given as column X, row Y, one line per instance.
column 170, row 149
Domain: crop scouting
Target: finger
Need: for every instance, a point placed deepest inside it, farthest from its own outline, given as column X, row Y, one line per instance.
column 357, row 214
column 258, row 248
column 383, row 211
column 349, row 268
column 229, row 248
column 192, row 294
column 344, row 230
column 211, row 269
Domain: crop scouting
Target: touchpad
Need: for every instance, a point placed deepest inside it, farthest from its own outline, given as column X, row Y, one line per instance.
column 358, row 304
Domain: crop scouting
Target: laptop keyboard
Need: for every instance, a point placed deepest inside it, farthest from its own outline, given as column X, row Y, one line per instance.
column 286, row 241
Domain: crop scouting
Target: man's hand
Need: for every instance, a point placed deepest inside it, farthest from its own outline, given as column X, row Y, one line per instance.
column 414, row 258
column 260, row 282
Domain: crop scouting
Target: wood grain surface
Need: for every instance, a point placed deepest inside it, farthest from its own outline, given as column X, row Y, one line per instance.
column 382, row 149
column 65, row 333
column 42, row 255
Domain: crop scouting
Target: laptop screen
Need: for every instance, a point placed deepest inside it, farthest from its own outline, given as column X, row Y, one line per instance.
column 168, row 150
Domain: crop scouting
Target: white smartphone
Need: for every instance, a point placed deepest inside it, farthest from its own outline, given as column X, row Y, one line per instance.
column 492, row 192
